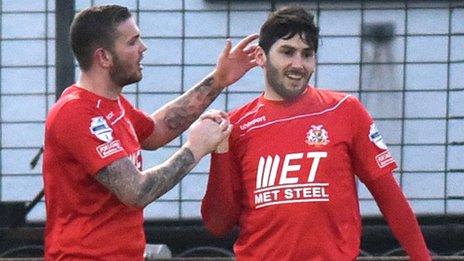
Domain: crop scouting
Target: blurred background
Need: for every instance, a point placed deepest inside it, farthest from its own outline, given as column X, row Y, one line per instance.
column 403, row 59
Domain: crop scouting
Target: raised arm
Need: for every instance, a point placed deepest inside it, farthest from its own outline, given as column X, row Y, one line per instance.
column 175, row 117
column 137, row 188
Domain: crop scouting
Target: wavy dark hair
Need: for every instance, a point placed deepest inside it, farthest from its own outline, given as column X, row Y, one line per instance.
column 285, row 23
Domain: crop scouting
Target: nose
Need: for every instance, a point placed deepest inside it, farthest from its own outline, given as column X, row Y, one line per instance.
column 143, row 47
column 298, row 61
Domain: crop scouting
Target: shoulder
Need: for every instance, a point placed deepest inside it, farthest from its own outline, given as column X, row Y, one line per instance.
column 246, row 111
column 330, row 99
column 71, row 104
column 328, row 96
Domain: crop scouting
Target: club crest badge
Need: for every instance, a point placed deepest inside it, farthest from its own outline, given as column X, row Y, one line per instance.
column 101, row 129
column 317, row 136
column 376, row 138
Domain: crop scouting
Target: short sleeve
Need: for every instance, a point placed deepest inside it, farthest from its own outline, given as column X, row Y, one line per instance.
column 142, row 122
column 74, row 130
column 371, row 157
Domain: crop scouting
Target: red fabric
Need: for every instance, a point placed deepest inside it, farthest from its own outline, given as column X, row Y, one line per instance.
column 288, row 180
column 221, row 215
column 399, row 216
column 85, row 221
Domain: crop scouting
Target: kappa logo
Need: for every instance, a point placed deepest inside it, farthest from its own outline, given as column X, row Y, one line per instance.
column 101, row 129
column 317, row 136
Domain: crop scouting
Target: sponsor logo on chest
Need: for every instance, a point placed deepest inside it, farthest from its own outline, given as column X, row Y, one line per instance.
column 279, row 179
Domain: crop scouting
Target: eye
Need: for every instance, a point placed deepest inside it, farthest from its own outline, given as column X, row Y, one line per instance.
column 308, row 54
column 288, row 52
column 134, row 41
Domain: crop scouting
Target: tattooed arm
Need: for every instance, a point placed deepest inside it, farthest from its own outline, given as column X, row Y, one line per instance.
column 175, row 117
column 139, row 188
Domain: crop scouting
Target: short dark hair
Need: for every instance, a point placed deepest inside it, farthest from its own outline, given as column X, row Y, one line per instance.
column 285, row 23
column 93, row 28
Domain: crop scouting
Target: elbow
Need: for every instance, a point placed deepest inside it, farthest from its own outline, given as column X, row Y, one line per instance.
column 217, row 225
column 137, row 198
column 218, row 229
column 133, row 201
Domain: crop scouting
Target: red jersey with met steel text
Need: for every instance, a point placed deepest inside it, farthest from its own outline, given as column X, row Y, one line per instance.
column 85, row 221
column 288, row 180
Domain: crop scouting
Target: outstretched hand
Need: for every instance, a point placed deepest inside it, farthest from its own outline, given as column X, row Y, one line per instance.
column 234, row 62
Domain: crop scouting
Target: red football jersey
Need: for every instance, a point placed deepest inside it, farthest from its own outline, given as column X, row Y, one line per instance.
column 288, row 180
column 85, row 221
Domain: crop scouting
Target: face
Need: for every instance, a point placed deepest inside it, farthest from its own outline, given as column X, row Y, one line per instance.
column 127, row 54
column 287, row 67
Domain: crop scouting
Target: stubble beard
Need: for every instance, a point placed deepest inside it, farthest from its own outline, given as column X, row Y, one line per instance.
column 119, row 74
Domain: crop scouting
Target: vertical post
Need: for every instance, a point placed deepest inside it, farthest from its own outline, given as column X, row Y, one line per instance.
column 64, row 61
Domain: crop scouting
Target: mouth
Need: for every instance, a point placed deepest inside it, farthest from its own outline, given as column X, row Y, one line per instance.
column 140, row 63
column 295, row 76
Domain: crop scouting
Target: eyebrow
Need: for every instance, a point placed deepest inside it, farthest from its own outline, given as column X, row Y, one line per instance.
column 286, row 46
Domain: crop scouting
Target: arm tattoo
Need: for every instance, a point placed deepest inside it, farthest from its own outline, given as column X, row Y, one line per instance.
column 185, row 110
column 139, row 189
column 160, row 180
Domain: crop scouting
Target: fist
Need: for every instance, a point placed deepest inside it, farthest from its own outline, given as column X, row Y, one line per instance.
column 207, row 133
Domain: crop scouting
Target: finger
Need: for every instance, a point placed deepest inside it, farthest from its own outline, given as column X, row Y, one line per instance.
column 215, row 115
column 227, row 48
column 209, row 117
column 224, row 125
column 250, row 48
column 228, row 131
column 210, row 113
column 224, row 114
column 251, row 64
column 245, row 41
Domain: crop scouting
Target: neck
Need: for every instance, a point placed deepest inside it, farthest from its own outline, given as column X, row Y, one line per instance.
column 269, row 94
column 272, row 95
column 99, row 83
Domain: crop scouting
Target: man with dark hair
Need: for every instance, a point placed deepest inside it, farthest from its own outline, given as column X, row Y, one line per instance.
column 287, row 175
column 95, row 189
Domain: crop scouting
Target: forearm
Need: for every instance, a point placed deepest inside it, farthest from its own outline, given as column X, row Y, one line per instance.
column 137, row 188
column 176, row 116
column 219, row 208
column 400, row 217
column 160, row 179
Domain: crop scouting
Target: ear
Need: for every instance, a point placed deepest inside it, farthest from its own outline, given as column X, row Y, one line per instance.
column 260, row 56
column 103, row 57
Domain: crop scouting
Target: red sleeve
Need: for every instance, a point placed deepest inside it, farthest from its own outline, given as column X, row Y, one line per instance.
column 220, row 208
column 370, row 155
column 79, row 141
column 399, row 216
column 142, row 122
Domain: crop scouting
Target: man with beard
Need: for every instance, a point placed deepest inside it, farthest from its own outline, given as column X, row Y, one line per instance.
column 286, row 176
column 95, row 189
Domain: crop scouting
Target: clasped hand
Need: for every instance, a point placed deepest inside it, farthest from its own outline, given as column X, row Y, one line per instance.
column 209, row 132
